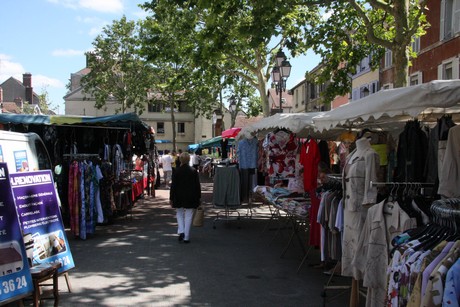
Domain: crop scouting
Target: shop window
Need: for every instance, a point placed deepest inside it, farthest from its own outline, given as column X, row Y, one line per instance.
column 160, row 128
column 180, row 127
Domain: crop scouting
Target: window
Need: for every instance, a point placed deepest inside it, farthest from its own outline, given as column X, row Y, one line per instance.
column 156, row 106
column 374, row 86
column 387, row 86
column 415, row 79
column 160, row 128
column 180, row 127
column 44, row 161
column 450, row 18
column 415, row 44
column 184, row 107
column 364, row 91
column 388, row 58
column 449, row 69
column 312, row 91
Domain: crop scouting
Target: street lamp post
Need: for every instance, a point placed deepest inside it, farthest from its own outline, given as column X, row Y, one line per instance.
column 232, row 107
column 280, row 73
column 214, row 122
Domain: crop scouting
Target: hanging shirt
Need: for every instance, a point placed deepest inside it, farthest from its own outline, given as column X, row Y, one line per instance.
column 247, row 153
column 452, row 288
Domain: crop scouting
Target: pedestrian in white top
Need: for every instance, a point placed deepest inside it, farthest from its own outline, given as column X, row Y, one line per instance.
column 194, row 160
column 166, row 161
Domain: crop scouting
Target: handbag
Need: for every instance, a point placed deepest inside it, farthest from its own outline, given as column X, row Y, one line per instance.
column 198, row 216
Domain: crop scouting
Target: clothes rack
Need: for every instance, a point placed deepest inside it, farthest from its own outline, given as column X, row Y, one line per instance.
column 81, row 156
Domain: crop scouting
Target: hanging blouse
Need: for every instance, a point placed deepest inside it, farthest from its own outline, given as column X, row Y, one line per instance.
column 281, row 150
column 449, row 179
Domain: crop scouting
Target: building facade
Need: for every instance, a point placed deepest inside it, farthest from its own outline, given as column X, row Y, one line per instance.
column 157, row 114
column 14, row 94
column 438, row 51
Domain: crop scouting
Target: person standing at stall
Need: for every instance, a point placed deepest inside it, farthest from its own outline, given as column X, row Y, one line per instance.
column 194, row 161
column 166, row 161
column 185, row 196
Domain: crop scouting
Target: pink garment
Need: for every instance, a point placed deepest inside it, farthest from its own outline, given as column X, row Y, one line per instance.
column 74, row 198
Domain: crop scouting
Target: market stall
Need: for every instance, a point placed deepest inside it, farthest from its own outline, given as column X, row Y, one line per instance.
column 390, row 109
column 399, row 157
column 101, row 165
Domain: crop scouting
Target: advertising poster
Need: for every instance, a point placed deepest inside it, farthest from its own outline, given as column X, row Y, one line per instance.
column 40, row 217
column 1, row 154
column 15, row 278
column 20, row 159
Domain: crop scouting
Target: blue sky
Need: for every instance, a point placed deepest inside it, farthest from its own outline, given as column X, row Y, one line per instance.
column 48, row 38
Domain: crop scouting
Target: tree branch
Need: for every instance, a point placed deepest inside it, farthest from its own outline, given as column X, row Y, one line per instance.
column 369, row 26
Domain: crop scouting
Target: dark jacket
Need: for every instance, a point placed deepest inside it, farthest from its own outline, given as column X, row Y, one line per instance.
column 185, row 187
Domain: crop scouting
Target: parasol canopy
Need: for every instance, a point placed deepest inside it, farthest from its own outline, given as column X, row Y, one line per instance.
column 230, row 133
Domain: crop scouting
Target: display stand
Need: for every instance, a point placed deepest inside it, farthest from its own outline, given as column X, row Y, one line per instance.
column 227, row 193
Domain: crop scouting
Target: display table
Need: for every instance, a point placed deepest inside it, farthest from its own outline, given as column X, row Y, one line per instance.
column 42, row 273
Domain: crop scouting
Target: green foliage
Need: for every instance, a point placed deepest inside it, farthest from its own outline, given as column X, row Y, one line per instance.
column 351, row 30
column 231, row 42
column 117, row 71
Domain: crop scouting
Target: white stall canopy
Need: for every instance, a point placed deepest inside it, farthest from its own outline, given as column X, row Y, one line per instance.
column 390, row 109
column 299, row 123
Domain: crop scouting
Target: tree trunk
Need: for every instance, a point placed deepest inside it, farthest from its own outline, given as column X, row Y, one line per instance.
column 401, row 64
column 399, row 50
column 263, row 94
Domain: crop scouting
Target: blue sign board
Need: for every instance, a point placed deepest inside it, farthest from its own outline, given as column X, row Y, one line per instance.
column 15, row 278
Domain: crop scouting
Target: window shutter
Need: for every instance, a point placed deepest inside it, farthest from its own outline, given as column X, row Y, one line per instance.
column 420, row 77
column 440, row 74
column 456, row 17
column 355, row 94
column 455, row 69
column 441, row 23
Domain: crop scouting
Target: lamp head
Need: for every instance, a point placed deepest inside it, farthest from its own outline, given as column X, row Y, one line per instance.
column 280, row 57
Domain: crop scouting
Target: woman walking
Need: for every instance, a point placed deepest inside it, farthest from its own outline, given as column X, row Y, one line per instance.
column 185, row 195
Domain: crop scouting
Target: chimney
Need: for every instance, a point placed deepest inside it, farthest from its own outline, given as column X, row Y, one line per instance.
column 27, row 79
column 27, row 82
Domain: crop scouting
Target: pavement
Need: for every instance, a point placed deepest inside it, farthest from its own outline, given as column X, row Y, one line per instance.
column 138, row 261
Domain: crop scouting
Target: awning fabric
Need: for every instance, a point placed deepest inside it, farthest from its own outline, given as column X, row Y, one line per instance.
column 382, row 108
column 194, row 146
column 119, row 120
column 299, row 123
column 215, row 142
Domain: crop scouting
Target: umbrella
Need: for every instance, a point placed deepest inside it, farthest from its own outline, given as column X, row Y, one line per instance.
column 230, row 133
